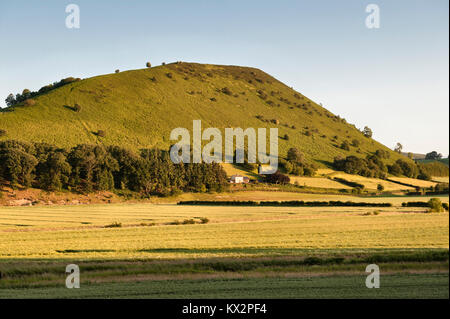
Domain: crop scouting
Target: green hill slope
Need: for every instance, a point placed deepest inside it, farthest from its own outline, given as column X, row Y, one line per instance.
column 139, row 108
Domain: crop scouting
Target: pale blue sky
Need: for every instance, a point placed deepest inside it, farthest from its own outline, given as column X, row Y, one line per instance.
column 393, row 79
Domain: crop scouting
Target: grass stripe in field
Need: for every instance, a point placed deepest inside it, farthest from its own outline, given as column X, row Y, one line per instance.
column 392, row 286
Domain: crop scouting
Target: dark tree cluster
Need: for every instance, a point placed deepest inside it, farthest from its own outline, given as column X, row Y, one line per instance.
column 277, row 178
column 405, row 168
column 433, row 169
column 86, row 168
column 433, row 156
column 296, row 164
column 374, row 166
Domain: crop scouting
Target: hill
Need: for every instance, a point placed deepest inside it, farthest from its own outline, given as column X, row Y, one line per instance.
column 139, row 108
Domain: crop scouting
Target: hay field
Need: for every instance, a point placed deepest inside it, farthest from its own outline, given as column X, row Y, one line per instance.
column 78, row 231
column 414, row 181
column 319, row 182
column 440, row 179
column 371, row 183
column 284, row 196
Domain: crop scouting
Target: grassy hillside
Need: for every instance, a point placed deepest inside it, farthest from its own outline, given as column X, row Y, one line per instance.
column 139, row 108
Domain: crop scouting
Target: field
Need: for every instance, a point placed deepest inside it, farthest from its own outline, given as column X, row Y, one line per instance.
column 239, row 252
column 414, row 182
column 394, row 286
column 371, row 183
column 276, row 195
column 319, row 182
column 441, row 179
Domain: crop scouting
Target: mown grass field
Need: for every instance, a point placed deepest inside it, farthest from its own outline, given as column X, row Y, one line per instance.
column 414, row 181
column 292, row 252
column 441, row 179
column 266, row 195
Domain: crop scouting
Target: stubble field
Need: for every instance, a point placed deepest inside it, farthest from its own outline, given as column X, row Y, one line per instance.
column 262, row 246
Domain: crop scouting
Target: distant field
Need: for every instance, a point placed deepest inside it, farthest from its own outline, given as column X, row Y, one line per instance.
column 319, row 182
column 371, row 183
column 440, row 179
column 413, row 181
column 284, row 196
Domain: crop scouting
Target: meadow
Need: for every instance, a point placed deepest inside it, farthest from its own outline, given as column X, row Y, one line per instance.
column 298, row 252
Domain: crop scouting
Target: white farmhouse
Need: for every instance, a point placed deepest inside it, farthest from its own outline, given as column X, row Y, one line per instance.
column 237, row 179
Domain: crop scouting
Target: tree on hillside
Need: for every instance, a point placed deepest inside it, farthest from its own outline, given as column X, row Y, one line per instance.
column 367, row 131
column 355, row 143
column 398, row 148
column 345, row 146
column 10, row 100
column 26, row 94
column 148, row 65
column 294, row 155
column 433, row 155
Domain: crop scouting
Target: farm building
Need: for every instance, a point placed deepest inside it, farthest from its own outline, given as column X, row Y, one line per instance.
column 238, row 179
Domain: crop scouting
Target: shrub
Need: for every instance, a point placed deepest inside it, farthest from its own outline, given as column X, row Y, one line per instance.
column 380, row 187
column 164, row 63
column 117, row 71
column 435, row 205
column 278, row 178
column 30, row 102
column 286, row 137
column 77, row 108
column 169, row 75
column 113, row 225
column 226, row 91
column 204, row 220
column 345, row 146
column 148, row 65
column 355, row 143
column 294, row 155
column 101, row 133
column 213, row 99
column 367, row 132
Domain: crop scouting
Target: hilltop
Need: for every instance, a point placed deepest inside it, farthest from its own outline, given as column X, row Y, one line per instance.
column 139, row 108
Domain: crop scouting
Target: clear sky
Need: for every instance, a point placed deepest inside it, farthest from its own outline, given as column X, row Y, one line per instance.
column 393, row 79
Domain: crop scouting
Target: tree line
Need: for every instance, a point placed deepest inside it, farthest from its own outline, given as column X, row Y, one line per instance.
column 12, row 99
column 86, row 168
column 374, row 165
